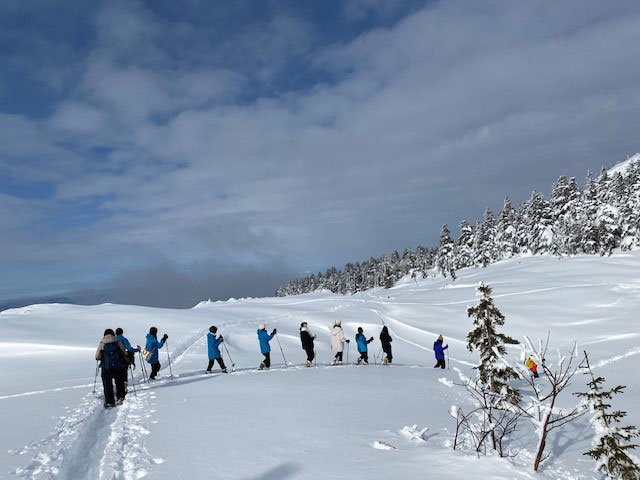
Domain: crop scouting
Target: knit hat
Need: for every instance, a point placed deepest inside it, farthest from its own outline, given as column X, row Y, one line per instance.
column 303, row 324
column 262, row 326
column 213, row 329
column 359, row 329
column 440, row 339
column 108, row 331
column 119, row 331
column 153, row 331
column 338, row 322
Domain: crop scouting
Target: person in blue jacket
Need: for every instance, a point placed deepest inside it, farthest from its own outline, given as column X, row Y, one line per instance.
column 362, row 342
column 264, row 339
column 131, row 352
column 213, row 344
column 152, row 346
column 438, row 349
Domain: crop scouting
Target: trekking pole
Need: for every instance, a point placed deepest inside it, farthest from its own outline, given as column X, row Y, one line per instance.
column 133, row 383
column 169, row 359
column 282, row 351
column 233, row 365
column 348, row 344
column 95, row 379
column 315, row 357
column 143, row 367
column 448, row 363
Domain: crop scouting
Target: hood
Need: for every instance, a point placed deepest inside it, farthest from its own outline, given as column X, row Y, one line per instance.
column 304, row 329
column 335, row 330
column 109, row 339
column 149, row 336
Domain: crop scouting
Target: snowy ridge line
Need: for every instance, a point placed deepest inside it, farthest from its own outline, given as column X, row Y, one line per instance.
column 631, row 352
column 39, row 392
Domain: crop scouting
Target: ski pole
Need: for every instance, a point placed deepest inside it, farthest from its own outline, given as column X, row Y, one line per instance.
column 143, row 367
column 233, row 365
column 95, row 379
column 315, row 357
column 448, row 363
column 169, row 359
column 348, row 344
column 282, row 351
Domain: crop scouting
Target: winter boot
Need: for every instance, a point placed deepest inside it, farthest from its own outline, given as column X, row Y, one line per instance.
column 339, row 362
column 386, row 361
column 359, row 361
column 334, row 362
column 308, row 363
column 225, row 370
column 262, row 366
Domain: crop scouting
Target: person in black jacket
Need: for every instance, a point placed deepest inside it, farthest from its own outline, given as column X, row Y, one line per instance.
column 386, row 340
column 307, row 342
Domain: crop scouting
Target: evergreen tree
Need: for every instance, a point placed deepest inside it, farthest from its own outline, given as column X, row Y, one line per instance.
column 611, row 442
column 486, row 339
column 506, row 230
column 445, row 259
column 464, row 250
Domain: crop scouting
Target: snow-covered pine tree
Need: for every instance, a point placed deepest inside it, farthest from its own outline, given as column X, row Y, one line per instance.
column 506, row 230
column 445, row 259
column 486, row 340
column 464, row 250
column 610, row 444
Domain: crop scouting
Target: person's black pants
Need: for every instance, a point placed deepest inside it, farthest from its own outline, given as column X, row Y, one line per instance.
column 109, row 375
column 339, row 356
column 310, row 355
column 267, row 359
column 389, row 356
column 439, row 363
column 364, row 356
column 220, row 362
column 155, row 368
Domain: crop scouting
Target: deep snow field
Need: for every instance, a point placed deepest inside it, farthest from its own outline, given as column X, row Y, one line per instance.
column 297, row 423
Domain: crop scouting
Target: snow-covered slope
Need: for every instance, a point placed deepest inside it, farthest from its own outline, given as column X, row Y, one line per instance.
column 622, row 166
column 321, row 423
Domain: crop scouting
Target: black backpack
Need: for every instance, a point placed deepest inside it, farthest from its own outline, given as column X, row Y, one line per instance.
column 112, row 356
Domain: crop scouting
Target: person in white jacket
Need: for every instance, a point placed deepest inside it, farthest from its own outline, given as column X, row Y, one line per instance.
column 337, row 342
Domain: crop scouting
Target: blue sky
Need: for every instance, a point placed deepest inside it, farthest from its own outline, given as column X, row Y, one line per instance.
column 162, row 152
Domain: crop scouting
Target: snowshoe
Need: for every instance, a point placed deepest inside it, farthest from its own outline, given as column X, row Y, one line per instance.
column 225, row 371
column 262, row 366
column 207, row 371
column 359, row 361
column 340, row 362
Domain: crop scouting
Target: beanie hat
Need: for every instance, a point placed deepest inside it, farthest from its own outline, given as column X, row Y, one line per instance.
column 303, row 324
column 213, row 329
column 338, row 322
column 108, row 331
column 119, row 331
column 359, row 329
column 440, row 339
column 153, row 331
column 262, row 326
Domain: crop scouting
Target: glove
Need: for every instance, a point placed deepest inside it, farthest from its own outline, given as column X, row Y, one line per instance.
column 221, row 338
column 138, row 348
column 274, row 331
column 371, row 339
column 446, row 346
column 165, row 336
column 347, row 341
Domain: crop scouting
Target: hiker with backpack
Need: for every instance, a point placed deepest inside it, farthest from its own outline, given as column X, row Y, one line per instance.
column 337, row 342
column 113, row 362
column 438, row 349
column 307, row 343
column 264, row 338
column 362, row 342
column 386, row 340
column 213, row 345
column 150, row 353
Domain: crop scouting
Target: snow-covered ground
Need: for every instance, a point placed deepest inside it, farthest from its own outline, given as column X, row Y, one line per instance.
column 321, row 423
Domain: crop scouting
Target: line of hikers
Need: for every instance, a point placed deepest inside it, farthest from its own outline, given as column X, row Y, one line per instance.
column 116, row 356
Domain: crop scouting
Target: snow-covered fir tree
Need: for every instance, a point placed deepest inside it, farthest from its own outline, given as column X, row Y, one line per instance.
column 611, row 443
column 445, row 259
column 486, row 340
